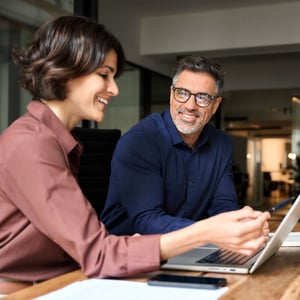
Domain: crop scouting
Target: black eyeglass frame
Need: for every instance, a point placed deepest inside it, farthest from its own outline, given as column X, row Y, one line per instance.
column 204, row 103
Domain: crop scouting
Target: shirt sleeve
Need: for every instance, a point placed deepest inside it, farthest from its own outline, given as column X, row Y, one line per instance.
column 225, row 196
column 44, row 189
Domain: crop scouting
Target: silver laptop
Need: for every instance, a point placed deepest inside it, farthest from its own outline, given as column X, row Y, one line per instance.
column 204, row 258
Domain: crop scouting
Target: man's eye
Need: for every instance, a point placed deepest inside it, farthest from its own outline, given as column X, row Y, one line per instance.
column 201, row 97
column 183, row 92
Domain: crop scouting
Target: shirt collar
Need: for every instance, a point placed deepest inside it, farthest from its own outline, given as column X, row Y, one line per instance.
column 175, row 136
column 45, row 115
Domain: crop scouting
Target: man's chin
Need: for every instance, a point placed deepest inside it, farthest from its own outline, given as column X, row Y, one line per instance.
column 187, row 131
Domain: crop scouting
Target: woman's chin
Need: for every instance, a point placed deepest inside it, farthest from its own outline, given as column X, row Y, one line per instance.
column 98, row 119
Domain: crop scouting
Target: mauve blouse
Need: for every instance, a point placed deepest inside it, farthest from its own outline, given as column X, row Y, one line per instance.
column 47, row 226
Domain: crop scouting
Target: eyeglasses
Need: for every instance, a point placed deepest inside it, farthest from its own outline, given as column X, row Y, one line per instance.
column 183, row 95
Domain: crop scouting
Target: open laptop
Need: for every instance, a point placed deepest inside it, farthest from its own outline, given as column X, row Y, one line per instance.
column 199, row 259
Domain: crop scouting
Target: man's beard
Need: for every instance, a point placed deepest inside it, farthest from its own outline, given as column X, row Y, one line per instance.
column 185, row 127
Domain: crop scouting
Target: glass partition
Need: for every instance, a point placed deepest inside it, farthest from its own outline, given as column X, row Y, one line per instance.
column 18, row 22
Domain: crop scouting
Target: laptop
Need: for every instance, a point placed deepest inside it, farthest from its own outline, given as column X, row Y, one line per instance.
column 203, row 258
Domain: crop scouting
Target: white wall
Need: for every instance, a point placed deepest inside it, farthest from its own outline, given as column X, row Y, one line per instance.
column 228, row 31
column 296, row 126
column 274, row 156
column 123, row 110
column 246, row 27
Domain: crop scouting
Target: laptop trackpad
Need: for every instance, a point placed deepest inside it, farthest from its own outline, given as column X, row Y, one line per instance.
column 193, row 255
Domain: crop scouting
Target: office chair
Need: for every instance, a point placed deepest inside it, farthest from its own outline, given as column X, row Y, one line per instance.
column 94, row 170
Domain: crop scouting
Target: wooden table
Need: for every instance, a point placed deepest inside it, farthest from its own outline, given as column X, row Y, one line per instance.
column 278, row 278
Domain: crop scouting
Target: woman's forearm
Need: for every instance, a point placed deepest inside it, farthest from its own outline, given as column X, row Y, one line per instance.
column 243, row 231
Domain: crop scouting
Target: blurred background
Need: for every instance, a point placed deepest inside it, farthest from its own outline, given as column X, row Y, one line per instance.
column 257, row 42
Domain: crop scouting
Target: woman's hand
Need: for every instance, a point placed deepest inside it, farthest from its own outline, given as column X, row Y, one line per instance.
column 244, row 231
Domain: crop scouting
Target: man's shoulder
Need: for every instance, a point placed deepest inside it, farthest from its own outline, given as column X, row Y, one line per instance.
column 152, row 121
column 149, row 134
column 151, row 124
column 216, row 134
column 212, row 129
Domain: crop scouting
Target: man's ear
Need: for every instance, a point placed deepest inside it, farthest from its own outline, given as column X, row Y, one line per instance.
column 217, row 103
column 170, row 94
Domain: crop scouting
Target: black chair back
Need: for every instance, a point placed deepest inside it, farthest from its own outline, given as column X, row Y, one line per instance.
column 94, row 171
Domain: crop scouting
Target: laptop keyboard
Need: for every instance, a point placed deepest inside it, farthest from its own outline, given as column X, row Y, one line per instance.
column 223, row 256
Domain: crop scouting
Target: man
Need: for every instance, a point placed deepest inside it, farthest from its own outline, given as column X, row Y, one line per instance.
column 174, row 168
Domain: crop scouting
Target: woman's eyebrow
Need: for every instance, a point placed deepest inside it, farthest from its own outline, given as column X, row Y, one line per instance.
column 108, row 67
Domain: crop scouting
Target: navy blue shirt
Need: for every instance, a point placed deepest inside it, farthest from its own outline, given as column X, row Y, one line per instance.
column 158, row 184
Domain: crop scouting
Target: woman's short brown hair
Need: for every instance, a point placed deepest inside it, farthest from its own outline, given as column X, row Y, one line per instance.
column 62, row 49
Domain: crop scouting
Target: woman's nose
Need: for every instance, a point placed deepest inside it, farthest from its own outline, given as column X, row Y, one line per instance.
column 113, row 88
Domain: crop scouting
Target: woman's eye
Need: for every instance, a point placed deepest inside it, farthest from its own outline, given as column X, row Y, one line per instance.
column 103, row 75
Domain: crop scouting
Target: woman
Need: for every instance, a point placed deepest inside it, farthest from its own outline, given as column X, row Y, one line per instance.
column 47, row 226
